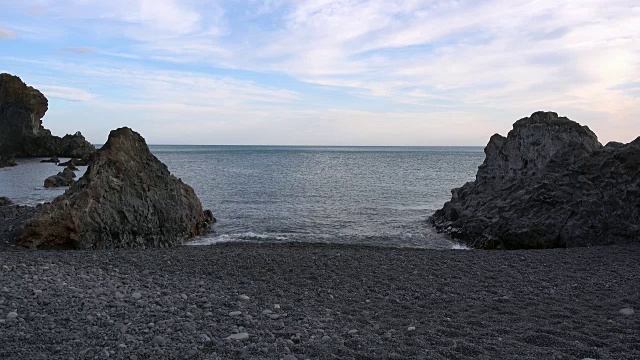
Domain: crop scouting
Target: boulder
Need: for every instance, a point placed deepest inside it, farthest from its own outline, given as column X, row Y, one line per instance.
column 7, row 161
column 549, row 183
column 126, row 198
column 59, row 180
column 21, row 132
column 5, row 201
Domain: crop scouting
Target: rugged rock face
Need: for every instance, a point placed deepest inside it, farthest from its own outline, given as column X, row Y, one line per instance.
column 549, row 183
column 127, row 198
column 21, row 132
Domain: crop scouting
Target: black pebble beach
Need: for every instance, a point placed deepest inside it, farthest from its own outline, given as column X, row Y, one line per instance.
column 315, row 301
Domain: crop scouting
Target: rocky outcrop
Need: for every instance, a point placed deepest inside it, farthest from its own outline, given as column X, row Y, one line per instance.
column 63, row 178
column 21, row 132
column 127, row 198
column 549, row 183
column 7, row 161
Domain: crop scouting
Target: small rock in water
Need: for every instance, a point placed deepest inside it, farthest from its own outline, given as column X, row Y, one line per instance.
column 136, row 295
column 240, row 336
column 243, row 297
column 627, row 311
column 235, row 313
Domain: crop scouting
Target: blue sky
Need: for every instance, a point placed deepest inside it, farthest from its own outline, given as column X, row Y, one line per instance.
column 325, row 72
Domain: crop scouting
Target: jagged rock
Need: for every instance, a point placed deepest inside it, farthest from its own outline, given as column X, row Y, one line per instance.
column 68, row 174
column 549, row 183
column 21, row 132
column 7, row 161
column 53, row 159
column 71, row 167
column 127, row 198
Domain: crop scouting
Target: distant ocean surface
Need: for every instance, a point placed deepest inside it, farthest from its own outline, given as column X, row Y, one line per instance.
column 355, row 195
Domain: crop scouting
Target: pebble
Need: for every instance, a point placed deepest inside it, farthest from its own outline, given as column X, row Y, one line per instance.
column 267, row 312
column 204, row 338
column 627, row 311
column 239, row 336
column 184, row 296
column 276, row 306
column 353, row 332
column 289, row 357
column 411, row 328
column 136, row 295
column 235, row 313
column 12, row 315
column 326, row 338
column 158, row 340
column 244, row 297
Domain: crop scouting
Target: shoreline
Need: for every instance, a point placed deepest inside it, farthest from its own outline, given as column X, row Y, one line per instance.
column 333, row 301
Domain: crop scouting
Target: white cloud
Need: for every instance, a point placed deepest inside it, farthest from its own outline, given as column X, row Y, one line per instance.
column 485, row 61
column 65, row 93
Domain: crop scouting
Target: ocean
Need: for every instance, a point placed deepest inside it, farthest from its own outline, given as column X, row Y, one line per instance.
column 356, row 195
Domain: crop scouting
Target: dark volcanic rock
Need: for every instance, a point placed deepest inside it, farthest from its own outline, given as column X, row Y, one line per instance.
column 7, row 161
column 21, row 132
column 12, row 218
column 53, row 159
column 5, row 201
column 127, row 198
column 59, row 180
column 75, row 162
column 549, row 183
column 63, row 178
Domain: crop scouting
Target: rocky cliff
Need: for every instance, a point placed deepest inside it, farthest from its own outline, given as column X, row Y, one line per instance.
column 127, row 198
column 21, row 132
column 549, row 183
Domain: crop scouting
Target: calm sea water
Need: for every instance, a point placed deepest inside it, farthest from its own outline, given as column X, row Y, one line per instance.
column 363, row 195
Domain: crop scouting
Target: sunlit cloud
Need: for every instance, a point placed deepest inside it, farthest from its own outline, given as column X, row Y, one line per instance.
column 335, row 65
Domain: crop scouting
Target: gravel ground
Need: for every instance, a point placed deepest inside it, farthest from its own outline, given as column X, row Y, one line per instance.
column 299, row 301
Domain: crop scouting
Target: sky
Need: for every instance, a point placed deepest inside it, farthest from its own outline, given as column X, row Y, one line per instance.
column 325, row 72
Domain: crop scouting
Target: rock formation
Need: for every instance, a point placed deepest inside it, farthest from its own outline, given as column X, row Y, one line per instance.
column 549, row 183
column 7, row 161
column 21, row 132
column 63, row 178
column 127, row 198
